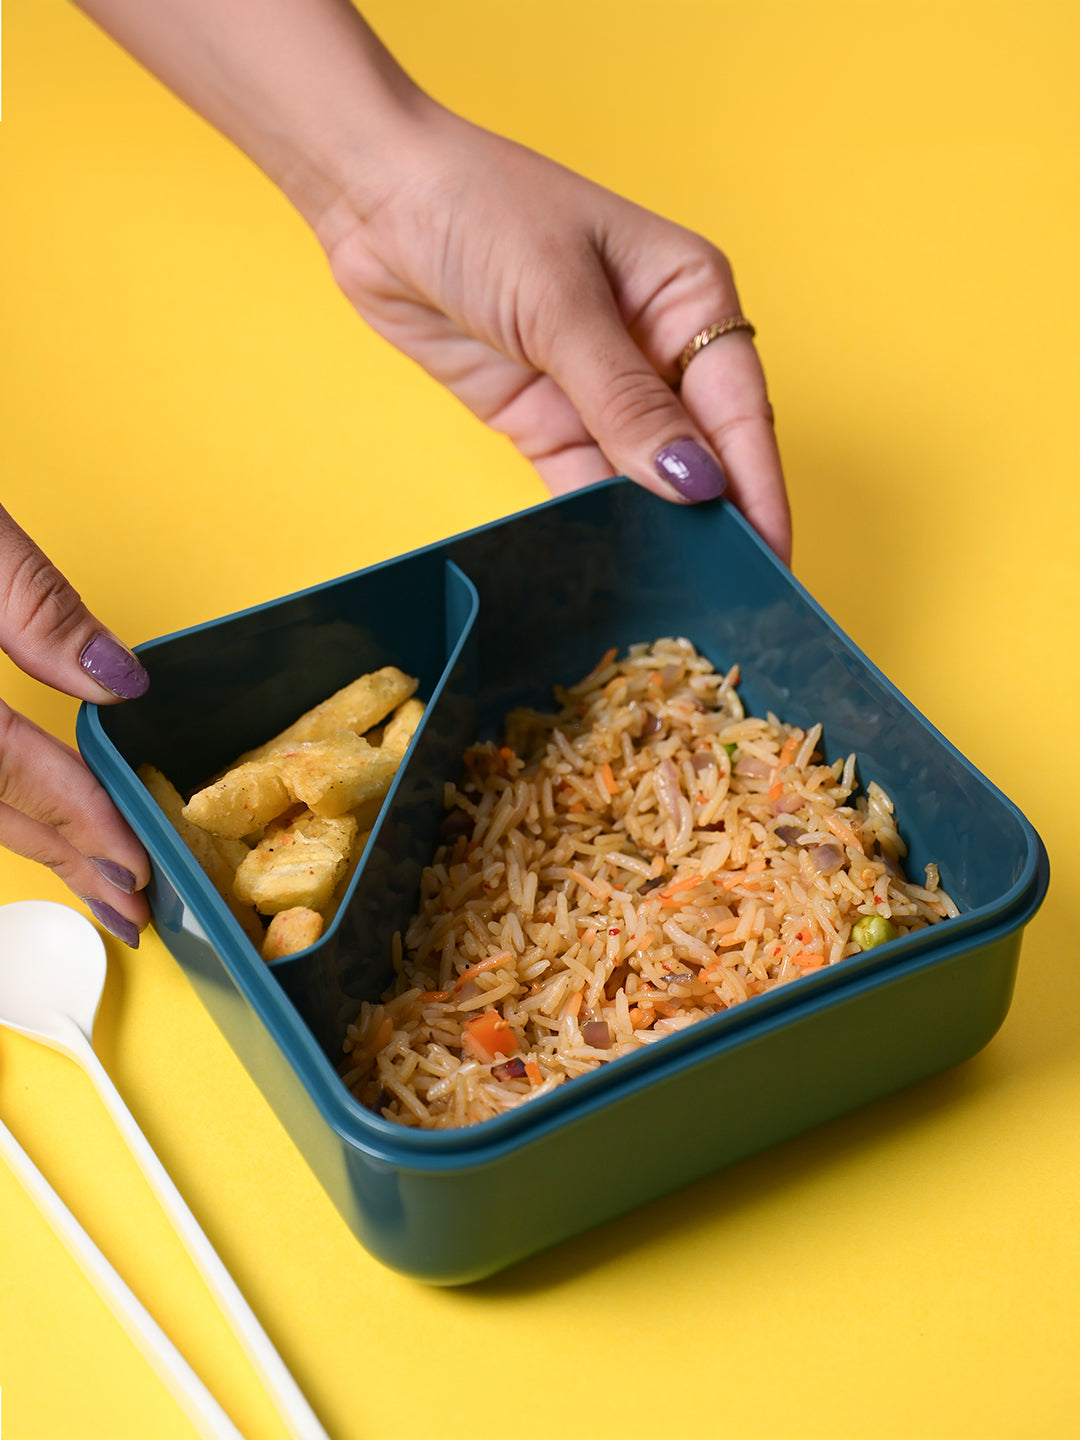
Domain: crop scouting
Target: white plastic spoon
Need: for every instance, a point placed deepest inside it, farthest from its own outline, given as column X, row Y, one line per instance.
column 52, row 974
column 172, row 1369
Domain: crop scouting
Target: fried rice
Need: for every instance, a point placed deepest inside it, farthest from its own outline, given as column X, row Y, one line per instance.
column 648, row 856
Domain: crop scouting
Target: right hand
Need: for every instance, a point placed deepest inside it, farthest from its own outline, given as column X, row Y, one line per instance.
column 52, row 809
column 556, row 311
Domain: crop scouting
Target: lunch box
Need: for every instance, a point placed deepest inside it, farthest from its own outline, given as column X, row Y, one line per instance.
column 488, row 620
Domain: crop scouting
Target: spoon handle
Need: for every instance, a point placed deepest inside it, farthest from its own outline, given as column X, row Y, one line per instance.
column 300, row 1420
column 204, row 1412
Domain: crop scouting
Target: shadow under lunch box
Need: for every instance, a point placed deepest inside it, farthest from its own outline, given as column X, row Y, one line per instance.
column 488, row 620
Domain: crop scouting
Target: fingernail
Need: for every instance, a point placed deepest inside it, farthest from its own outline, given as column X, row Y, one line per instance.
column 118, row 875
column 114, row 666
column 690, row 469
column 114, row 922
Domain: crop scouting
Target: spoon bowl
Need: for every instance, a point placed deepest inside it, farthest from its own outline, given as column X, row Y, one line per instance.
column 52, row 971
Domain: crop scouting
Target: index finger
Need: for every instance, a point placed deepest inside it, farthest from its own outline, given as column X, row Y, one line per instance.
column 49, row 632
column 724, row 391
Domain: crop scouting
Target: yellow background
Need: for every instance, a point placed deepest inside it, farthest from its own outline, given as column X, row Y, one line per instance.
column 191, row 420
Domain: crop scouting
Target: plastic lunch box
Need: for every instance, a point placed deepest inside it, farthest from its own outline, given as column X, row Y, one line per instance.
column 487, row 620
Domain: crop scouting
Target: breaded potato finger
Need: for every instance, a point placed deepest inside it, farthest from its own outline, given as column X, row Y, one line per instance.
column 290, row 931
column 218, row 858
column 245, row 798
column 331, row 909
column 357, row 707
column 338, row 832
column 367, row 813
column 337, row 774
column 401, row 726
column 296, row 865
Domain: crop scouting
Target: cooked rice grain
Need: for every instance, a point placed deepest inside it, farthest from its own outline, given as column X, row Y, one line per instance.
column 646, row 857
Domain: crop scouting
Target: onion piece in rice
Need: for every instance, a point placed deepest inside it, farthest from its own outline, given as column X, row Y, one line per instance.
column 574, row 905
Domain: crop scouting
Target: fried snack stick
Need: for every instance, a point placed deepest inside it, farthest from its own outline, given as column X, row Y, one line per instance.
column 401, row 726
column 357, row 707
column 340, row 773
column 243, row 800
column 290, row 931
column 330, row 776
column 362, row 835
column 298, row 864
column 218, row 858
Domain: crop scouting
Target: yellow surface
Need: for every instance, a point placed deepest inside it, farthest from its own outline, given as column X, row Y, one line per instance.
column 898, row 187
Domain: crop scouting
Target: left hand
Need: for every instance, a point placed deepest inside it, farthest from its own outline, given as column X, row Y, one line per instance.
column 51, row 807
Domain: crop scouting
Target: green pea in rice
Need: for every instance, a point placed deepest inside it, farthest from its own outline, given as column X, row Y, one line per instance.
column 646, row 857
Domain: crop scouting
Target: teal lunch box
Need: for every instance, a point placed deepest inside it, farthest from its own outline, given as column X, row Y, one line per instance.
column 488, row 620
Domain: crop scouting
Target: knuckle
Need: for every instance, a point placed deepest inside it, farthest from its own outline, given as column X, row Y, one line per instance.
column 44, row 847
column 702, row 270
column 39, row 599
column 710, row 269
column 14, row 734
column 633, row 406
column 27, row 755
column 10, row 725
column 721, row 432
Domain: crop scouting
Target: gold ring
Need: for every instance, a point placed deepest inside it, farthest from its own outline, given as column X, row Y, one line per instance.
column 711, row 333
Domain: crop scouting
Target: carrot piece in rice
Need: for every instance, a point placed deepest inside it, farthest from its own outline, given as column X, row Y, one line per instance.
column 790, row 750
column 685, row 884
column 491, row 963
column 748, row 915
column 488, row 1035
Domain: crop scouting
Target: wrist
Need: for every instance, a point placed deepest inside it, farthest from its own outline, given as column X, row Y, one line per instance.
column 304, row 87
column 337, row 159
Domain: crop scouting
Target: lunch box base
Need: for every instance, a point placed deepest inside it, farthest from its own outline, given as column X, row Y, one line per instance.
column 492, row 619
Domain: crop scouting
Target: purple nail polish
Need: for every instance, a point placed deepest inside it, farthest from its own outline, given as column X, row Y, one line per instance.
column 113, row 921
column 690, row 469
column 114, row 666
column 118, row 875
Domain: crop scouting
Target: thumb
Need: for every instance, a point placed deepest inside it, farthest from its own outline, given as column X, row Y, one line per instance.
column 635, row 418
column 50, row 634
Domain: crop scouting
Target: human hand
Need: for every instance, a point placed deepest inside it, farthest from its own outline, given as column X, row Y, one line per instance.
column 51, row 807
column 557, row 312
column 554, row 309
